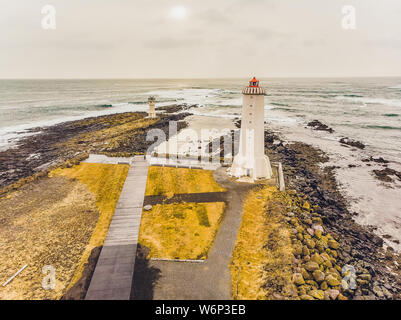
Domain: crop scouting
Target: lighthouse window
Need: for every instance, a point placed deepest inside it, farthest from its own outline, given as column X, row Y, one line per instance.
column 251, row 106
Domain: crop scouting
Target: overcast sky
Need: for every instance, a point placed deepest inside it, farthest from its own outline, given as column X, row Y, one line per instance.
column 216, row 38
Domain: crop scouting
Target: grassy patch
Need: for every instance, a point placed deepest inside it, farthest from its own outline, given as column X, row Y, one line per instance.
column 169, row 181
column 55, row 221
column 180, row 231
column 106, row 182
column 261, row 262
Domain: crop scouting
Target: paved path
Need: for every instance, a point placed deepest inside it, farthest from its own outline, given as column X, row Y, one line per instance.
column 100, row 158
column 210, row 280
column 112, row 279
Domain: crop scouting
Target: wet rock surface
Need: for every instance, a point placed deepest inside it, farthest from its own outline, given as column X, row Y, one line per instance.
column 377, row 160
column 176, row 108
column 355, row 246
column 319, row 126
column 387, row 175
column 352, row 143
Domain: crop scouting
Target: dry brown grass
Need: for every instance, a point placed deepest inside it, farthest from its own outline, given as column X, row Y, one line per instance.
column 106, row 182
column 180, row 231
column 170, row 181
column 261, row 262
column 55, row 221
column 48, row 222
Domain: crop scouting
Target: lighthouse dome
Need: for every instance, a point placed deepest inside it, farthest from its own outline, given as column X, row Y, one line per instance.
column 253, row 88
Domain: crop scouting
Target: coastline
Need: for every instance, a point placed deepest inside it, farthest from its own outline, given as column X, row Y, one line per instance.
column 372, row 200
column 308, row 172
column 67, row 143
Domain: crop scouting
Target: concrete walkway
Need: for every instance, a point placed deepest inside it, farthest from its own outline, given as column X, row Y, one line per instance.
column 210, row 280
column 112, row 279
column 100, row 158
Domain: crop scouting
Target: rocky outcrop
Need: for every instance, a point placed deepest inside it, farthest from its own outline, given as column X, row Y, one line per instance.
column 387, row 175
column 377, row 160
column 352, row 143
column 317, row 125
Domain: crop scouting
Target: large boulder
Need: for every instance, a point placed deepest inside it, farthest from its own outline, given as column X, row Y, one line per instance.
column 317, row 294
column 333, row 244
column 310, row 243
column 298, row 279
column 311, row 266
column 318, row 276
column 306, row 274
column 333, row 294
column 317, row 258
column 332, row 281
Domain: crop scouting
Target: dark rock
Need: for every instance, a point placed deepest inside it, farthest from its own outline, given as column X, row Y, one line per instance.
column 384, row 175
column 377, row 160
column 317, row 125
column 352, row 143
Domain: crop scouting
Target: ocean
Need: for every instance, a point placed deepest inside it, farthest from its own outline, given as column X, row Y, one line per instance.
column 364, row 109
column 368, row 109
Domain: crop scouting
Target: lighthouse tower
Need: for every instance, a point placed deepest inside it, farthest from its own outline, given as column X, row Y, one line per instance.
column 251, row 160
column 152, row 112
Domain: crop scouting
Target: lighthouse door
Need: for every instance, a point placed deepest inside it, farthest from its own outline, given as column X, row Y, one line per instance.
column 248, row 172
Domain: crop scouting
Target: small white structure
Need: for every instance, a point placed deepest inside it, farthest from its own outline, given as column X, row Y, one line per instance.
column 152, row 111
column 251, row 160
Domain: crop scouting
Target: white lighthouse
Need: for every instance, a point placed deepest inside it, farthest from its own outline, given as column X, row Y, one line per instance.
column 152, row 112
column 251, row 160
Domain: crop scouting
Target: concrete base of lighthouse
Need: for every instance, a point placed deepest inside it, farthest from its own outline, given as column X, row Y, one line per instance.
column 255, row 169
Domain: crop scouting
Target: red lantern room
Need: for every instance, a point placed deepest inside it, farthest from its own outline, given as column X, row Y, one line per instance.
column 254, row 82
column 253, row 88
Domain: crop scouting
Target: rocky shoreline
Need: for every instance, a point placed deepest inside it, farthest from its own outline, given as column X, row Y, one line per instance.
column 69, row 143
column 377, row 269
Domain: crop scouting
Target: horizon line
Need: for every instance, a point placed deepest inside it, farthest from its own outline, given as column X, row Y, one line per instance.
column 211, row 78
